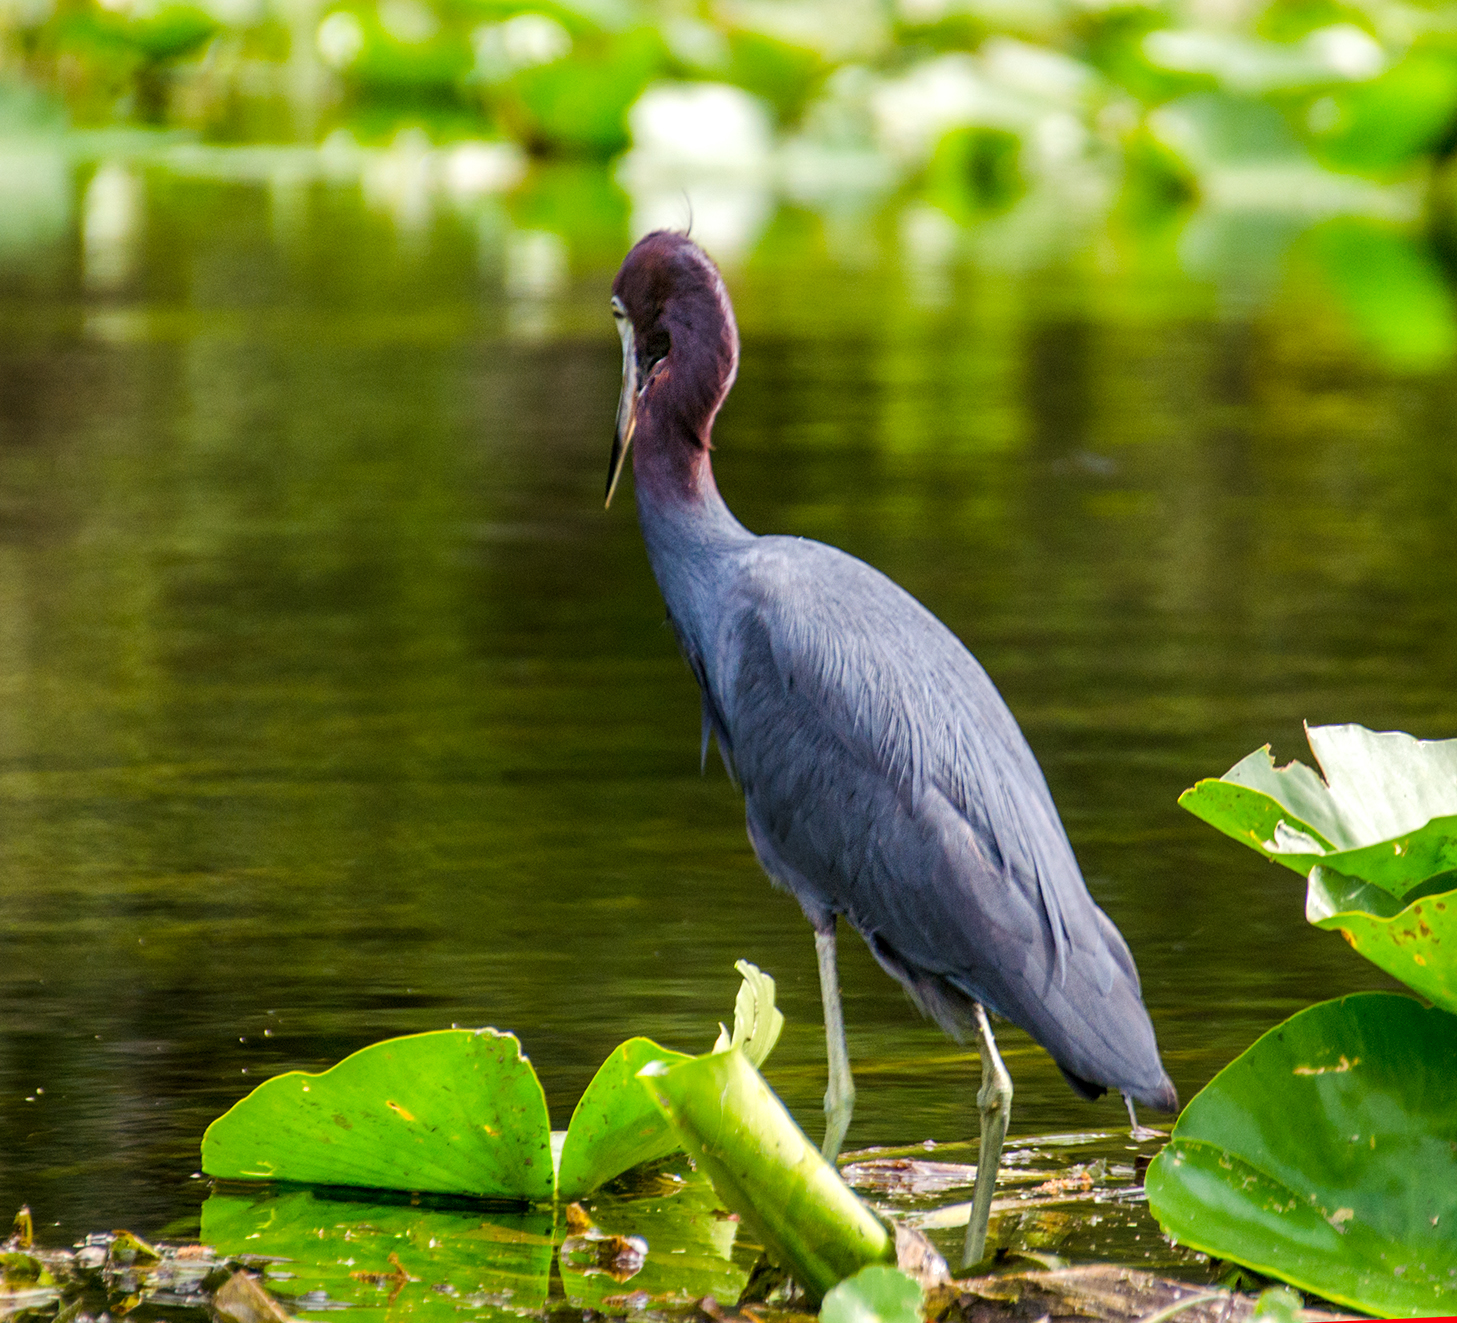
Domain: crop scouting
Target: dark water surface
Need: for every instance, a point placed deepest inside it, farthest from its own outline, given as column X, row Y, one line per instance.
column 332, row 705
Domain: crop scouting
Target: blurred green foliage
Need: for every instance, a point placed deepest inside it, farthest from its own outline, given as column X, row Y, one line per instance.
column 1369, row 88
column 1227, row 139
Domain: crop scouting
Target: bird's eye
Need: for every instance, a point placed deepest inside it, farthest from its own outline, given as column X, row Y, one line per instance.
column 618, row 310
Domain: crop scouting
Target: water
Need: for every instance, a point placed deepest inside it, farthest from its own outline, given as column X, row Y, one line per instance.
column 332, row 705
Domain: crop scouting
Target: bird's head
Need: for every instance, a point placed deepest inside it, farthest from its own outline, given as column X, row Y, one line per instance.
column 680, row 346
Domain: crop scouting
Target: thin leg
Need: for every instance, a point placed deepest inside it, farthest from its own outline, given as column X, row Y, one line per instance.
column 994, row 1102
column 840, row 1096
column 1137, row 1130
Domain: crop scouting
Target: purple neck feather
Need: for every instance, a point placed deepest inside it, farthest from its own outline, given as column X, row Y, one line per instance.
column 680, row 310
column 685, row 390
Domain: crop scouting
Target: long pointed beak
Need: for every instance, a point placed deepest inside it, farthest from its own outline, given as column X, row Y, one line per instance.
column 626, row 407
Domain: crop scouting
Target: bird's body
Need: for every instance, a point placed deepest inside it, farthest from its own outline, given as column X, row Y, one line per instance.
column 884, row 778
column 907, row 799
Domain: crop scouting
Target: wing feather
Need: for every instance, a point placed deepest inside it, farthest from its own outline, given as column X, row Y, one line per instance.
column 896, row 691
column 886, row 780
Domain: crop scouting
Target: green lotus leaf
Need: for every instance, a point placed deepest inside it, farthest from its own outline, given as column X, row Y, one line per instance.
column 448, row 1263
column 1326, row 1155
column 1416, row 943
column 616, row 1125
column 692, row 1249
column 1386, row 811
column 458, row 1111
column 879, row 1294
column 742, row 1137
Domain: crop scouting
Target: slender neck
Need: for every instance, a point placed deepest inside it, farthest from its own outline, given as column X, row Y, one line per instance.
column 678, row 502
column 685, row 524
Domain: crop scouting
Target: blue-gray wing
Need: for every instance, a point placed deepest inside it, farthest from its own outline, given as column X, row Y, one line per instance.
column 886, row 780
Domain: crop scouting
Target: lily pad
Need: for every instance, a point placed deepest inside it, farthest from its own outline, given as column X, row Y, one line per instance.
column 458, row 1111
column 1326, row 1155
column 691, row 1239
column 742, row 1137
column 616, row 1124
column 1386, row 811
column 387, row 1260
column 878, row 1294
column 1416, row 943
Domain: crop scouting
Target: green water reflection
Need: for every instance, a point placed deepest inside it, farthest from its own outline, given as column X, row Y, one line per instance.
column 333, row 706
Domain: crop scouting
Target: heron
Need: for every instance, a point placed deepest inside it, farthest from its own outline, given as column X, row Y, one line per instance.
column 885, row 780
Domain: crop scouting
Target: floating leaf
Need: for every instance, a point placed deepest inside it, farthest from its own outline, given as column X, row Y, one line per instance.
column 765, row 1169
column 690, row 1238
column 616, row 1124
column 338, row 1252
column 459, row 1111
column 1416, row 943
column 1326, row 1155
column 1386, row 812
column 878, row 1294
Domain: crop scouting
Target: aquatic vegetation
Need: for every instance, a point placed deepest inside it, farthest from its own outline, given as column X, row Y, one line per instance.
column 1077, row 93
column 458, row 1111
column 1376, row 841
column 740, row 1135
column 461, row 1111
column 875, row 1295
column 1327, row 1153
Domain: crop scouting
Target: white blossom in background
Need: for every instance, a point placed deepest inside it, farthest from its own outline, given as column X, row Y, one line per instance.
column 701, row 153
column 522, row 42
column 475, row 169
column 340, row 39
column 340, row 156
column 727, row 218
column 35, row 195
column 912, row 113
column 24, row 13
column 1348, row 51
column 237, row 13
column 111, row 222
column 923, row 11
column 1047, row 75
column 401, row 181
column 929, row 243
column 408, row 21
column 838, row 30
column 1248, row 64
column 701, row 126
column 536, row 264
column 696, row 44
